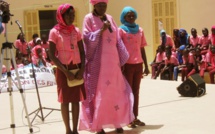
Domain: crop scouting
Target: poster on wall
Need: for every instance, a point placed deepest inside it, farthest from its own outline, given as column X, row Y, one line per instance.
column 44, row 77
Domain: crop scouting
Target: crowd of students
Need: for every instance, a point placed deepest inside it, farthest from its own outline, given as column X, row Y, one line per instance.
column 34, row 51
column 185, row 54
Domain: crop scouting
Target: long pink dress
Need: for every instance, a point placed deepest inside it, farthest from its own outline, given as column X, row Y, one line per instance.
column 109, row 102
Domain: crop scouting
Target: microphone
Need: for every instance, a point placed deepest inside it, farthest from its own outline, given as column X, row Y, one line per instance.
column 17, row 22
column 109, row 28
column 20, row 27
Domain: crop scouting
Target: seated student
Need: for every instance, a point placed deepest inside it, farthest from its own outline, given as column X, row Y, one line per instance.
column 166, row 39
column 38, row 57
column 44, row 43
column 194, row 39
column 169, row 48
column 188, row 64
column 158, row 62
column 183, row 37
column 21, row 45
column 210, row 64
column 179, row 54
column 38, row 41
column 170, row 62
column 204, row 41
column 32, row 43
column 176, row 39
column 4, row 69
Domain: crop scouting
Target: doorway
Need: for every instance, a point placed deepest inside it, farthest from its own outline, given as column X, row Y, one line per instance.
column 47, row 20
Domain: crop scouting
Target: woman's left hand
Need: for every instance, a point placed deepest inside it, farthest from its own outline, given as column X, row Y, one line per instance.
column 146, row 71
column 79, row 74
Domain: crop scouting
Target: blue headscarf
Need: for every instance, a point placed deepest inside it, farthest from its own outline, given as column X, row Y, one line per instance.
column 179, row 55
column 129, row 28
column 163, row 38
column 183, row 40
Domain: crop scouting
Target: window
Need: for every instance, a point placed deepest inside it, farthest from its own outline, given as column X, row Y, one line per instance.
column 163, row 12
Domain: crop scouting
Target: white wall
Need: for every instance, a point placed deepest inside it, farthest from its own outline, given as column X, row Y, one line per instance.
column 196, row 14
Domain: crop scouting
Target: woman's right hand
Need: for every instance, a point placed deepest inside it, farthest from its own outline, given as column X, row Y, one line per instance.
column 106, row 25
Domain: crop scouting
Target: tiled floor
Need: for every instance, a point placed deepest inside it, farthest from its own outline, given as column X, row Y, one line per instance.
column 161, row 108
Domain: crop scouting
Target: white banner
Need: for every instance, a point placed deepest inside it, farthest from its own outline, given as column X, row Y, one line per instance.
column 44, row 77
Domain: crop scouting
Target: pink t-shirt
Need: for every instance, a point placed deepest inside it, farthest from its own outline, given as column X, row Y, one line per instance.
column 169, row 41
column 204, row 41
column 31, row 44
column 133, row 44
column 22, row 46
column 172, row 60
column 34, row 56
column 194, row 41
column 46, row 45
column 66, row 45
column 190, row 59
column 160, row 57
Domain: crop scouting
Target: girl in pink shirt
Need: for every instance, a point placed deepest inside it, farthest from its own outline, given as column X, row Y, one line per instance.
column 188, row 64
column 204, row 41
column 134, row 40
column 158, row 63
column 166, row 39
column 170, row 62
column 210, row 63
column 65, row 38
column 38, row 57
column 193, row 39
column 21, row 45
column 44, row 42
column 32, row 43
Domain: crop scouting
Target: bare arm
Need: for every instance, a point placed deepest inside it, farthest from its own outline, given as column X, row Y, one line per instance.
column 146, row 71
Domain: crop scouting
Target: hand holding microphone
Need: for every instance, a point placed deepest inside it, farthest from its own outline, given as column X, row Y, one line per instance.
column 106, row 25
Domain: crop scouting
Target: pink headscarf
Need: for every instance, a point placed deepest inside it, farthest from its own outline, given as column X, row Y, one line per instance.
column 94, row 2
column 61, row 26
column 213, row 36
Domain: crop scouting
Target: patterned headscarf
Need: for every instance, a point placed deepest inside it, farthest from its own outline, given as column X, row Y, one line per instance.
column 130, row 28
column 61, row 26
column 94, row 2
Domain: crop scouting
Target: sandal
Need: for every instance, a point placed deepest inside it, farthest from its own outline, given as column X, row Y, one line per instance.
column 119, row 130
column 138, row 122
column 131, row 125
column 101, row 132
